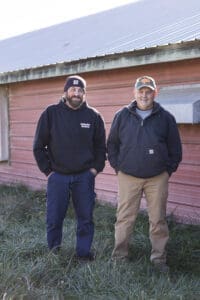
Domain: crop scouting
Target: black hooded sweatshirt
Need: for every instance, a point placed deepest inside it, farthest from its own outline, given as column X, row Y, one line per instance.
column 70, row 141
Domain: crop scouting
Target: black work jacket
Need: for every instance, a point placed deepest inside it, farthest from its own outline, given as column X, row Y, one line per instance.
column 144, row 148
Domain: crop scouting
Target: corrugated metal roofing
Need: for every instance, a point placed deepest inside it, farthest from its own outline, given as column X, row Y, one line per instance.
column 138, row 25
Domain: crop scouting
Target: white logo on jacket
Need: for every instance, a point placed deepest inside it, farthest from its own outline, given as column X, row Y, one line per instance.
column 151, row 151
column 85, row 125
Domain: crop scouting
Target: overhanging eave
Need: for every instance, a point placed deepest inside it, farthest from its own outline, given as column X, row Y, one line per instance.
column 154, row 55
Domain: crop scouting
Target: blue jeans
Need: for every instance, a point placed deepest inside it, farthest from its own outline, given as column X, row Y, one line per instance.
column 80, row 187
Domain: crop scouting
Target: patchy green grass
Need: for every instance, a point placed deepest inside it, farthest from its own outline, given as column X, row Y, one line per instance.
column 28, row 271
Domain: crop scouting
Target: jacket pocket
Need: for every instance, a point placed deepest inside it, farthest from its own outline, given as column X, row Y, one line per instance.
column 155, row 157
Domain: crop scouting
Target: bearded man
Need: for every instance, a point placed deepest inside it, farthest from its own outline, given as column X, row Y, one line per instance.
column 69, row 148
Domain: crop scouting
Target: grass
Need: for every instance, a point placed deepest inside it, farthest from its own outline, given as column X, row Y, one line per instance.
column 28, row 271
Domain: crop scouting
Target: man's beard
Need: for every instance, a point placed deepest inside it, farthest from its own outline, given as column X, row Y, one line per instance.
column 75, row 102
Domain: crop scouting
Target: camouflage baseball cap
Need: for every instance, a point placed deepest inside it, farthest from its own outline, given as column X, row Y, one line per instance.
column 145, row 81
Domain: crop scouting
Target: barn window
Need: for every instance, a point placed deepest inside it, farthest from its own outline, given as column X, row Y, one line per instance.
column 4, row 145
column 183, row 101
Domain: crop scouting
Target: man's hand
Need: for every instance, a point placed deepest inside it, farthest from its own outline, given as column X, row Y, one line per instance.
column 93, row 171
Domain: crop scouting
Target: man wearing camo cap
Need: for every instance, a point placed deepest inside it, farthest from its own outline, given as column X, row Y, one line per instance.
column 144, row 149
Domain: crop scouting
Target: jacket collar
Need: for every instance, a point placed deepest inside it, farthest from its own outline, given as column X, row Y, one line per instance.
column 133, row 105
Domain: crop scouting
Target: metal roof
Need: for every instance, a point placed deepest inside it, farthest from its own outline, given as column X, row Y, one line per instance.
column 139, row 25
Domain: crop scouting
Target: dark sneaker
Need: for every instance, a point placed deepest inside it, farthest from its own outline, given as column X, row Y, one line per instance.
column 55, row 250
column 161, row 267
column 88, row 258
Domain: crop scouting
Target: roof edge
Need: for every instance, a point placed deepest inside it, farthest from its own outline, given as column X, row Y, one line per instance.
column 158, row 54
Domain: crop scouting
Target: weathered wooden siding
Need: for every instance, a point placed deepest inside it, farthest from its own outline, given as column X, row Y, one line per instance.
column 112, row 90
column 107, row 91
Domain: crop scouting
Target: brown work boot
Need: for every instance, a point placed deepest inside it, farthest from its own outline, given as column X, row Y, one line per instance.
column 119, row 259
column 161, row 267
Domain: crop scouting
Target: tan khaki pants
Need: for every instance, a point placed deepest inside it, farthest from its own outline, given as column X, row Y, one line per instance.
column 130, row 193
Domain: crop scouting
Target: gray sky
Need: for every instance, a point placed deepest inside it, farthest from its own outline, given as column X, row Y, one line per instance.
column 21, row 16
